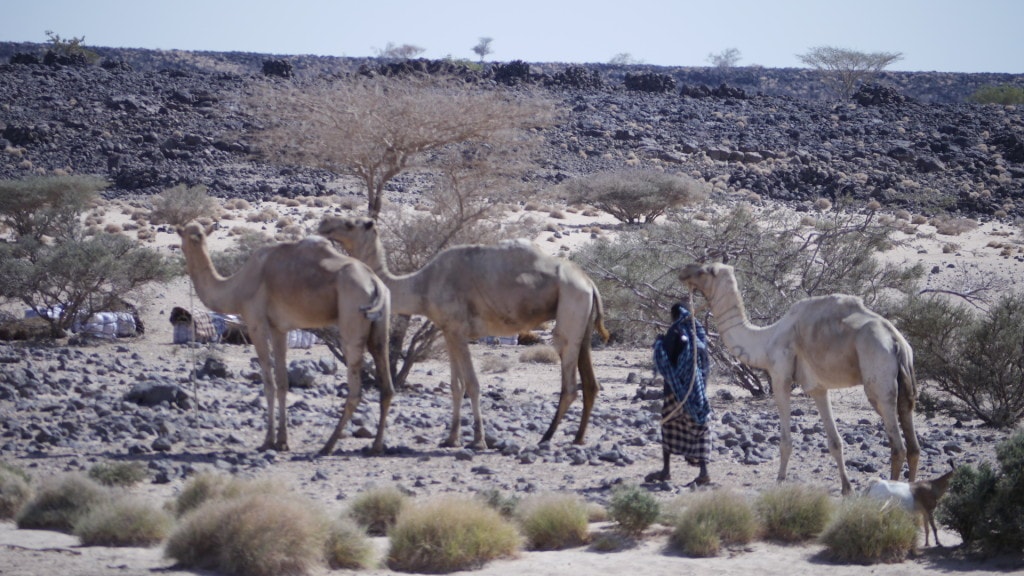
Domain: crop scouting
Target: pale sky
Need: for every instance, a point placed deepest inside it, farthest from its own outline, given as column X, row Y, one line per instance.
column 932, row 35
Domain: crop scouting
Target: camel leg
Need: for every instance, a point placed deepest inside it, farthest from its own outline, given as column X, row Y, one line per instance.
column 781, row 390
column 570, row 355
column 886, row 408
column 353, row 350
column 905, row 413
column 379, row 350
column 590, row 387
column 279, row 347
column 456, row 350
column 472, row 387
column 835, row 443
column 262, row 345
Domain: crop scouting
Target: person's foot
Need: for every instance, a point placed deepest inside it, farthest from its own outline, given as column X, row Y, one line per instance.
column 702, row 480
column 659, row 476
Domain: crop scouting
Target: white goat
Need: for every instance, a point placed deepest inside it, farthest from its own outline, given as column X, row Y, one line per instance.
column 919, row 498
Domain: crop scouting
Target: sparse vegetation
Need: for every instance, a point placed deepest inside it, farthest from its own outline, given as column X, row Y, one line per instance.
column 726, row 58
column 118, row 473
column 633, row 509
column 181, row 204
column 505, row 504
column 376, row 509
column 59, row 502
column 793, row 512
column 447, row 534
column 542, row 354
column 553, row 521
column 1004, row 94
column 712, row 519
column 124, row 521
column 867, row 531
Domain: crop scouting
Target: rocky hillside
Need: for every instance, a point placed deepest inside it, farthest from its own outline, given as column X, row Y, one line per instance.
column 148, row 120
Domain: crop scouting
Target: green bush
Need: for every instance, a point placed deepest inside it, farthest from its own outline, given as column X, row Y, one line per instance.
column 973, row 356
column 118, row 473
column 633, row 508
column 712, row 519
column 126, row 521
column 793, row 512
column 15, row 490
column 986, row 507
column 377, row 508
column 553, row 521
column 503, row 503
column 348, row 546
column 1005, row 94
column 60, row 502
column 255, row 534
column 867, row 531
column 448, row 534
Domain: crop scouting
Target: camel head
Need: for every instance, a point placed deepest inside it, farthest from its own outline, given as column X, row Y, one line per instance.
column 355, row 233
column 705, row 277
column 193, row 236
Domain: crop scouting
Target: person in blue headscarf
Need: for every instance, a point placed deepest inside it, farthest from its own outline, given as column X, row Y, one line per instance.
column 681, row 358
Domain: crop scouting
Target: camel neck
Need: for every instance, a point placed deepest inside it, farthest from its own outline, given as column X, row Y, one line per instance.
column 742, row 338
column 406, row 290
column 215, row 291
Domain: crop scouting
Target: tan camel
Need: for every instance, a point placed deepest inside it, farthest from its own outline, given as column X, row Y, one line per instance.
column 474, row 291
column 821, row 343
column 305, row 284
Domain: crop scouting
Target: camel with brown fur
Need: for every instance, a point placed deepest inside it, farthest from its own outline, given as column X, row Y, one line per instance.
column 474, row 291
column 305, row 284
column 821, row 343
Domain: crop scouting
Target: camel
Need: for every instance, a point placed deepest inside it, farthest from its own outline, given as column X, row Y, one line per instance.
column 821, row 343
column 473, row 291
column 305, row 284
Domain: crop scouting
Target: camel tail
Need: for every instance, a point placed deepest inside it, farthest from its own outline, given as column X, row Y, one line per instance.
column 375, row 309
column 906, row 398
column 599, row 316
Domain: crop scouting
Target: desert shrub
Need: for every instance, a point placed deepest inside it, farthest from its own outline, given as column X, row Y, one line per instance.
column 253, row 535
column 985, row 506
column 75, row 272
column 867, row 531
column 539, row 355
column 124, row 521
column 793, row 512
column 377, row 508
column 950, row 226
column 118, row 473
column 1005, row 94
column 973, row 356
column 347, row 546
column 633, row 508
column 60, row 502
column 447, row 534
column 181, row 204
column 15, row 490
column 505, row 504
column 208, row 486
column 712, row 519
column 552, row 521
column 634, row 196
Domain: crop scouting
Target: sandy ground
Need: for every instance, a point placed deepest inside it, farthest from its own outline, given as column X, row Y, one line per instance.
column 24, row 552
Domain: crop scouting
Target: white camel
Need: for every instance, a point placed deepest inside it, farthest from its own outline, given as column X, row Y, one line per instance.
column 474, row 291
column 305, row 284
column 821, row 343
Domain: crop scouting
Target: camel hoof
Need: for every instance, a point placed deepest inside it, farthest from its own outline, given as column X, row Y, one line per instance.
column 449, row 443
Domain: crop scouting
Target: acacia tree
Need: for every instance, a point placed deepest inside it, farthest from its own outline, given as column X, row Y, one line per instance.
column 635, row 194
column 377, row 128
column 844, row 70
column 483, row 47
column 725, row 59
column 396, row 52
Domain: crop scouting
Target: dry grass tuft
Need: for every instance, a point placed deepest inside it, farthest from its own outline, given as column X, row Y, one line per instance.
column 793, row 512
column 128, row 521
column 118, row 473
column 377, row 508
column 867, row 531
column 712, row 519
column 15, row 490
column 348, row 546
column 448, row 534
column 60, row 502
column 252, row 535
column 553, row 521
